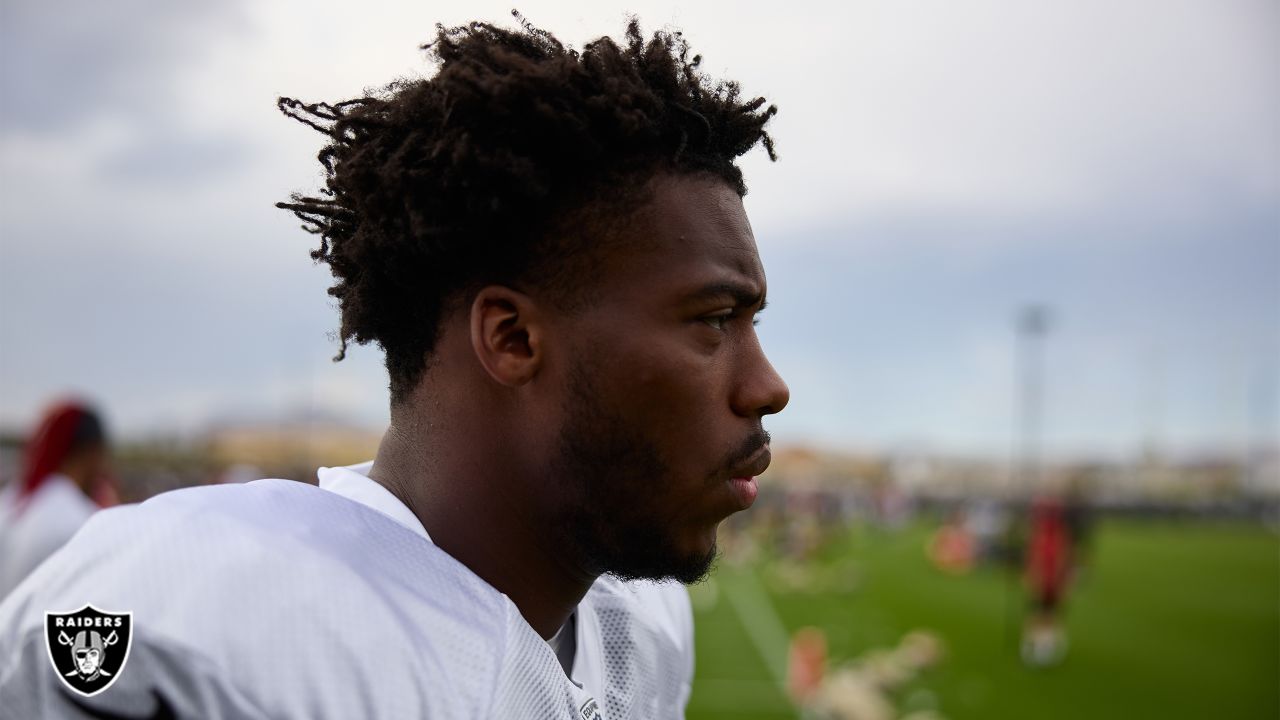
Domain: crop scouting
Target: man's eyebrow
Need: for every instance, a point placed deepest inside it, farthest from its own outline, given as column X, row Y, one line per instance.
column 741, row 294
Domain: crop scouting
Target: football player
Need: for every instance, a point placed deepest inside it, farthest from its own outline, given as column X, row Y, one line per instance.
column 550, row 247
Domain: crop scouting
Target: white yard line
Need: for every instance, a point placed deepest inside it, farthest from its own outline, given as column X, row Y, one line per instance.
column 763, row 626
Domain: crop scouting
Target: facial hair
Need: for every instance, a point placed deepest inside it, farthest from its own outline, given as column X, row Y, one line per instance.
column 613, row 478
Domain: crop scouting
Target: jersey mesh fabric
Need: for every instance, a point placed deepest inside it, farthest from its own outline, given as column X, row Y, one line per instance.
column 531, row 684
column 297, row 602
column 643, row 672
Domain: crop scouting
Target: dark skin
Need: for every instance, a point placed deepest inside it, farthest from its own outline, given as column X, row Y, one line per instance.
column 664, row 366
column 85, row 465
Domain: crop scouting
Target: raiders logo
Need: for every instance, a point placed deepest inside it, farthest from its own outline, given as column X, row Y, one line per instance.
column 88, row 647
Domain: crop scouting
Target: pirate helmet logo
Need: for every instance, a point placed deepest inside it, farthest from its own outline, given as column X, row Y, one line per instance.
column 88, row 648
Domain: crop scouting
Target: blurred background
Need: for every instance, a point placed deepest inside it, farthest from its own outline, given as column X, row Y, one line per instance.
column 1024, row 269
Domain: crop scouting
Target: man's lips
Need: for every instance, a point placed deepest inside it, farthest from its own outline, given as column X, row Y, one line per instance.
column 754, row 465
column 742, row 480
column 744, row 491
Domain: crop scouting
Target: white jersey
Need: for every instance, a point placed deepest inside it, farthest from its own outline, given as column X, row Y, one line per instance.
column 45, row 523
column 284, row 600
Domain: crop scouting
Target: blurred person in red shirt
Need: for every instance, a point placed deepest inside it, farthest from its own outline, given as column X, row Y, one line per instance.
column 64, row 480
column 1048, row 570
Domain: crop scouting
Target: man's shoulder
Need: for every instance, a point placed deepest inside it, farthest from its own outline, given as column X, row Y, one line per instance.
column 269, row 539
column 275, row 585
column 270, row 521
column 229, row 530
column 59, row 495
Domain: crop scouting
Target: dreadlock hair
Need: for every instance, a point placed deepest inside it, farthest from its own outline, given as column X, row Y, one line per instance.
column 508, row 166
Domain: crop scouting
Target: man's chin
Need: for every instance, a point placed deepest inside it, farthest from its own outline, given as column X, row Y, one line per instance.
column 687, row 568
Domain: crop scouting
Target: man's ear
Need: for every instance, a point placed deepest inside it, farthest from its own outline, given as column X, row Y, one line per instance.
column 505, row 334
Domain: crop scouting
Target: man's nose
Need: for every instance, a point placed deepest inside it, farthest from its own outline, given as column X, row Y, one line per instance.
column 762, row 390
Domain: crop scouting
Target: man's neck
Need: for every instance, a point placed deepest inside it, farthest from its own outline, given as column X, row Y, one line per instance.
column 78, row 473
column 477, row 511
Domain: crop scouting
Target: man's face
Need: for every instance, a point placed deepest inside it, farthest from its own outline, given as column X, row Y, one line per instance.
column 87, row 660
column 665, row 388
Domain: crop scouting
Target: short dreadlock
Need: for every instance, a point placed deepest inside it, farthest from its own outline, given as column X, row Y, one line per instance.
column 504, row 167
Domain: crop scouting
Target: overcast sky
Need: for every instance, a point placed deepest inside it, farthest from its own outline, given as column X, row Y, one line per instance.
column 942, row 164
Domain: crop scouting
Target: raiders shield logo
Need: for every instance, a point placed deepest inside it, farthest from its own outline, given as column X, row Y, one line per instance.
column 88, row 647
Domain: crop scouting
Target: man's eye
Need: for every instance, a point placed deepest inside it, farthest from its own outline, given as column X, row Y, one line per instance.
column 717, row 321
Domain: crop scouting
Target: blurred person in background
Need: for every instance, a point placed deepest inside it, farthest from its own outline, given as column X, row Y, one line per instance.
column 64, row 480
column 986, row 520
column 1050, row 565
column 953, row 547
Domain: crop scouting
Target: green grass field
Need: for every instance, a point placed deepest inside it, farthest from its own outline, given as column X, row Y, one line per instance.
column 1170, row 621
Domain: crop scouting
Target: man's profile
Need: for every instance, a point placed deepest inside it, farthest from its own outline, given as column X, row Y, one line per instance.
column 549, row 246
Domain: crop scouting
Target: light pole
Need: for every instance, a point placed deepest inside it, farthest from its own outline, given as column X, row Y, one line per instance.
column 1032, row 326
column 1024, row 477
